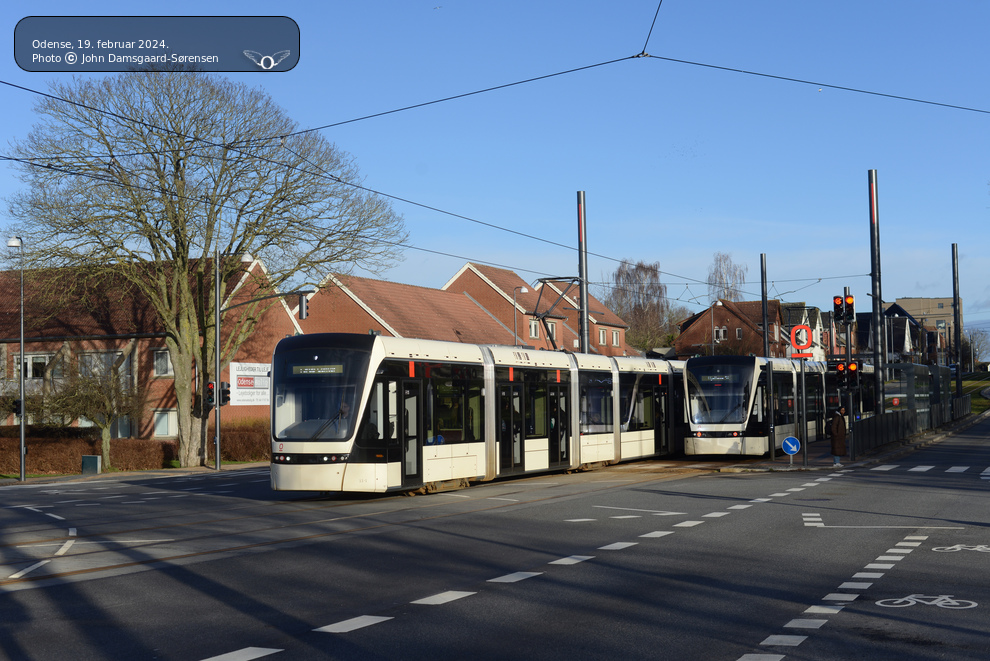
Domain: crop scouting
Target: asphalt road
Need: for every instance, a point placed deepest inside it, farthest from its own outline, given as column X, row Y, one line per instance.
column 650, row 560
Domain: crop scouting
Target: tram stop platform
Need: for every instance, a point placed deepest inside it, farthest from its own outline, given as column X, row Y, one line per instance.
column 819, row 455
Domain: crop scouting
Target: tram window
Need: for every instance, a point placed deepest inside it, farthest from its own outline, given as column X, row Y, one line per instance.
column 783, row 392
column 596, row 402
column 636, row 402
column 454, row 405
column 536, row 410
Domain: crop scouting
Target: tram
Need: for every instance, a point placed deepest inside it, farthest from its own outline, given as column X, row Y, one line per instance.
column 728, row 402
column 368, row 413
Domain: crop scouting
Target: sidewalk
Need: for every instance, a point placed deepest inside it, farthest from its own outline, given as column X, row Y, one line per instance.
column 131, row 475
column 820, row 455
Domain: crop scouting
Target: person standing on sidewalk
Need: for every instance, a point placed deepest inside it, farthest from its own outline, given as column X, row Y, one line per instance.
column 838, row 435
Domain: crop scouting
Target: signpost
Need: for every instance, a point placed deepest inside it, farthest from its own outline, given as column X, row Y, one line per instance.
column 791, row 446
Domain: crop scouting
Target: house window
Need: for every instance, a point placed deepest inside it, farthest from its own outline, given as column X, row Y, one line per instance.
column 601, row 336
column 163, row 363
column 552, row 329
column 534, row 329
column 615, row 338
column 166, row 423
column 725, row 333
column 738, row 333
column 941, row 306
column 35, row 364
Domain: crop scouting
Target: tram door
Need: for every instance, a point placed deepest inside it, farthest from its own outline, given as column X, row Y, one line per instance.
column 557, row 434
column 510, row 426
column 661, row 434
column 405, row 407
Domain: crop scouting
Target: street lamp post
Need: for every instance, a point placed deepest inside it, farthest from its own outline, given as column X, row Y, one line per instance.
column 714, row 305
column 15, row 242
column 515, row 332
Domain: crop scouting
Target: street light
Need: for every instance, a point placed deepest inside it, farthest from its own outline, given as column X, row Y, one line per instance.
column 714, row 305
column 246, row 258
column 15, row 242
column 515, row 333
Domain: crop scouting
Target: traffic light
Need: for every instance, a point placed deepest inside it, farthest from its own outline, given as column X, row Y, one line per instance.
column 15, row 407
column 838, row 310
column 840, row 369
column 224, row 393
column 852, row 369
column 849, row 304
column 211, row 395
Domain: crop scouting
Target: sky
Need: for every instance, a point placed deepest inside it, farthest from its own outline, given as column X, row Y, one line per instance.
column 750, row 129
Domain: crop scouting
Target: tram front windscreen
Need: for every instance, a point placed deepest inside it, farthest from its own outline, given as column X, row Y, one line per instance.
column 719, row 393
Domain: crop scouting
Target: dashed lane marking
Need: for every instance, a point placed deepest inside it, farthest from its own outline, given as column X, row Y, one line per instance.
column 353, row 624
column 443, row 598
column 515, row 577
column 246, row 654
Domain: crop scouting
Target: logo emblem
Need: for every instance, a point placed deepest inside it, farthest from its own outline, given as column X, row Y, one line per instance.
column 267, row 62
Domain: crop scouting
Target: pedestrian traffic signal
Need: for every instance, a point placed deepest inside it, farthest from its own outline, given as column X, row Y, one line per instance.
column 224, row 393
column 211, row 395
column 15, row 407
column 849, row 307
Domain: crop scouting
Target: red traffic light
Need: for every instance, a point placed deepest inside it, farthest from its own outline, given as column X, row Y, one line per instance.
column 840, row 368
column 850, row 300
column 852, row 367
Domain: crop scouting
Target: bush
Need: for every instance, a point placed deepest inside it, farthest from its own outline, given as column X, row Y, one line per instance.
column 59, row 450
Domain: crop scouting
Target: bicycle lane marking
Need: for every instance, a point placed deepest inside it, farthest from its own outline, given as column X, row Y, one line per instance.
column 834, row 602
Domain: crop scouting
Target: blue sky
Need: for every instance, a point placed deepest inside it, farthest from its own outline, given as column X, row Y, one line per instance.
column 678, row 160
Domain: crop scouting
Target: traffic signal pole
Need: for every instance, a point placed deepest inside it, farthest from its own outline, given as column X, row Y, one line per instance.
column 848, row 300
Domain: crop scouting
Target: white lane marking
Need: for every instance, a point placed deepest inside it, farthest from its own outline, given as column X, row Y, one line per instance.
column 920, row 469
column 30, row 569
column 65, row 547
column 515, row 577
column 824, row 479
column 796, row 489
column 788, row 641
column 578, row 520
column 868, row 574
column 443, row 598
column 688, row 524
column 779, row 495
column 449, row 495
column 761, row 657
column 824, row 609
column 890, row 558
column 72, row 532
column 957, row 469
column 55, row 516
column 904, row 551
column 914, row 544
column 571, row 560
column 805, row 624
column 626, row 516
column 886, row 467
column 739, row 507
column 633, row 509
column 617, row 546
column 658, row 533
column 715, row 515
column 512, row 500
column 839, row 596
column 878, row 565
column 760, row 500
column 917, row 538
column 810, row 484
column 353, row 624
column 850, row 585
column 246, row 654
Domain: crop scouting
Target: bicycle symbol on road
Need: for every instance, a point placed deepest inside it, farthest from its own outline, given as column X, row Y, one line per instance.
column 982, row 548
column 942, row 601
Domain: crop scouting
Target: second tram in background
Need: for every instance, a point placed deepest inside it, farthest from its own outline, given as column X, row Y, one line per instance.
column 728, row 400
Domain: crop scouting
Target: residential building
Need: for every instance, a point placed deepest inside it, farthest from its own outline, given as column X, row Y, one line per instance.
column 733, row 328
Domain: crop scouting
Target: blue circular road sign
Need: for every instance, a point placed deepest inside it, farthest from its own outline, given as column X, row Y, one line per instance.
column 791, row 445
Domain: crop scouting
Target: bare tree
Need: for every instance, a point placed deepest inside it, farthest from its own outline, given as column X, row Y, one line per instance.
column 639, row 297
column 725, row 278
column 147, row 175
column 101, row 388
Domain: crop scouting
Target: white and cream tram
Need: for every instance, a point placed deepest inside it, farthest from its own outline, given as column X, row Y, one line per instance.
column 368, row 413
